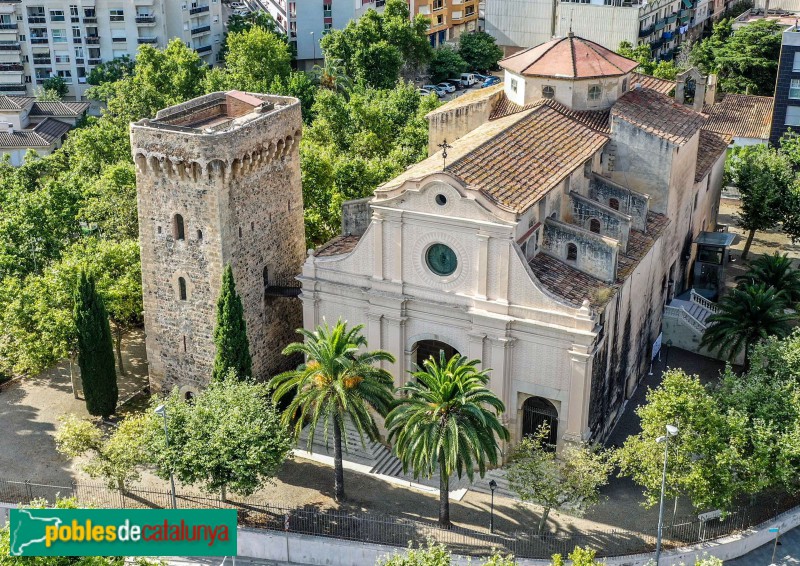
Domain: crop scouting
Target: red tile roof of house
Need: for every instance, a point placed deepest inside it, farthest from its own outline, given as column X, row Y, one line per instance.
column 741, row 116
column 518, row 166
column 568, row 57
column 711, row 146
column 664, row 86
column 595, row 119
column 658, row 114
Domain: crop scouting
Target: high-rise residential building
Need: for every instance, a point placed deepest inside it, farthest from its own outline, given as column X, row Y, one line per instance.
column 66, row 38
column 662, row 24
column 306, row 21
column 449, row 18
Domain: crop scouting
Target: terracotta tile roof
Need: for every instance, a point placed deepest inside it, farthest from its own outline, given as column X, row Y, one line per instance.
column 574, row 286
column 568, row 57
column 338, row 245
column 43, row 135
column 663, row 86
column 523, row 162
column 741, row 116
column 658, row 114
column 58, row 108
column 595, row 119
column 14, row 102
column 711, row 146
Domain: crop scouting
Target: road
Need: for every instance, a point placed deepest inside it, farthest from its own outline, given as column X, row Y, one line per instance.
column 787, row 554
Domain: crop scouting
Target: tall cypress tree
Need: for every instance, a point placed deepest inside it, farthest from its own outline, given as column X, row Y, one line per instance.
column 95, row 349
column 230, row 333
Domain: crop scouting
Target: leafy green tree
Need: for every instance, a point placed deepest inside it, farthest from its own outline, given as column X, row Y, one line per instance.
column 763, row 177
column 255, row 58
column 746, row 60
column 747, row 314
column 57, row 85
column 433, row 554
column 230, row 333
column 95, row 354
column 118, row 458
column 46, row 95
column 258, row 19
column 479, row 50
column 109, row 203
column 647, row 65
column 446, row 64
column 706, row 461
column 376, row 47
column 774, row 271
column 571, row 481
column 331, row 75
column 230, row 437
column 337, row 382
column 111, row 71
column 299, row 85
column 447, row 421
column 579, row 557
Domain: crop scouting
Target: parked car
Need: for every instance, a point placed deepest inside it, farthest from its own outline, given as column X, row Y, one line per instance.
column 447, row 87
column 423, row 91
column 440, row 92
column 480, row 78
column 468, row 79
column 238, row 5
column 491, row 81
column 456, row 83
column 241, row 12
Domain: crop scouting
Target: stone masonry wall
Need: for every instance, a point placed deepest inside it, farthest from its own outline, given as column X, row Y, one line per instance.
column 631, row 203
column 612, row 223
column 596, row 255
column 239, row 194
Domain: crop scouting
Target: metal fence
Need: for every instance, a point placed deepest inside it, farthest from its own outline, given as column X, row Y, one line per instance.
column 396, row 531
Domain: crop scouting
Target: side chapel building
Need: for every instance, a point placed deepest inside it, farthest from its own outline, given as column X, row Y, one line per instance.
column 546, row 245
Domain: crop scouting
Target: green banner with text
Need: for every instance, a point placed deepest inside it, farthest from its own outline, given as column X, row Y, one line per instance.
column 123, row 532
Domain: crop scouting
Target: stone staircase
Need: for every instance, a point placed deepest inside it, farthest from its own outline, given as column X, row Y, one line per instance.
column 697, row 307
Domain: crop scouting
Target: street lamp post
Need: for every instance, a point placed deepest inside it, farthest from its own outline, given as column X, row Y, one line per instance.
column 671, row 431
column 161, row 411
column 666, row 356
column 314, row 45
column 492, row 486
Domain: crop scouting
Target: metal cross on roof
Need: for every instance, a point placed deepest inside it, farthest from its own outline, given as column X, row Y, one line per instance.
column 445, row 146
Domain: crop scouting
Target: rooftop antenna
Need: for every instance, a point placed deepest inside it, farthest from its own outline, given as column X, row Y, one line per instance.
column 570, row 22
column 445, row 146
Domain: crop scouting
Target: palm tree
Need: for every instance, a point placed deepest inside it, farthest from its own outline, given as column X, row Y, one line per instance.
column 747, row 314
column 336, row 381
column 332, row 76
column 447, row 421
column 776, row 271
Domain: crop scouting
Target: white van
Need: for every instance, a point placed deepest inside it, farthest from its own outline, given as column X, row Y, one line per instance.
column 468, row 79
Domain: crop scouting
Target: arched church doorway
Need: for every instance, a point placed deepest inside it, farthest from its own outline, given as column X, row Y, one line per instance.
column 537, row 411
column 427, row 348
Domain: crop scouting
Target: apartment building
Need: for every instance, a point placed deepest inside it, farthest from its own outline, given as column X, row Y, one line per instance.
column 449, row 18
column 66, row 38
column 306, row 21
column 663, row 24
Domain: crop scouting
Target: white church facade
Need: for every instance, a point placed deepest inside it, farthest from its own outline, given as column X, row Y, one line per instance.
column 547, row 244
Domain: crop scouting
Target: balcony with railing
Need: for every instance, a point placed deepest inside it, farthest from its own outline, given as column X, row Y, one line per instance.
column 14, row 88
column 42, row 60
column 95, row 61
column 39, row 40
column 149, row 40
column 10, row 46
column 93, row 40
column 11, row 68
column 198, row 10
column 201, row 30
column 647, row 31
column 203, row 49
column 90, row 19
column 145, row 19
column 37, row 20
column 9, row 27
column 672, row 18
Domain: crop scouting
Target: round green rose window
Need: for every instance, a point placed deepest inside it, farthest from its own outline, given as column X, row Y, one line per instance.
column 441, row 259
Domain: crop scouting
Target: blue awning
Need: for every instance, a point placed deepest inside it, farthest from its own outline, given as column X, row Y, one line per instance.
column 687, row 3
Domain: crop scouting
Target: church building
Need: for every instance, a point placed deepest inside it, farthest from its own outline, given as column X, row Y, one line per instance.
column 545, row 244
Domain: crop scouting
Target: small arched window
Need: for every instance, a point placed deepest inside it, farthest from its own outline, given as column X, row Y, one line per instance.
column 572, row 252
column 548, row 91
column 613, row 203
column 199, row 234
column 266, row 277
column 594, row 225
column 182, row 288
column 595, row 92
column 177, row 227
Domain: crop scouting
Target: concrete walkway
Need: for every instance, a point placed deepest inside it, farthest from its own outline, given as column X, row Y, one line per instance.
column 787, row 553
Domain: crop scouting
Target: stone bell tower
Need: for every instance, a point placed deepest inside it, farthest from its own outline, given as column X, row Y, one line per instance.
column 218, row 182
